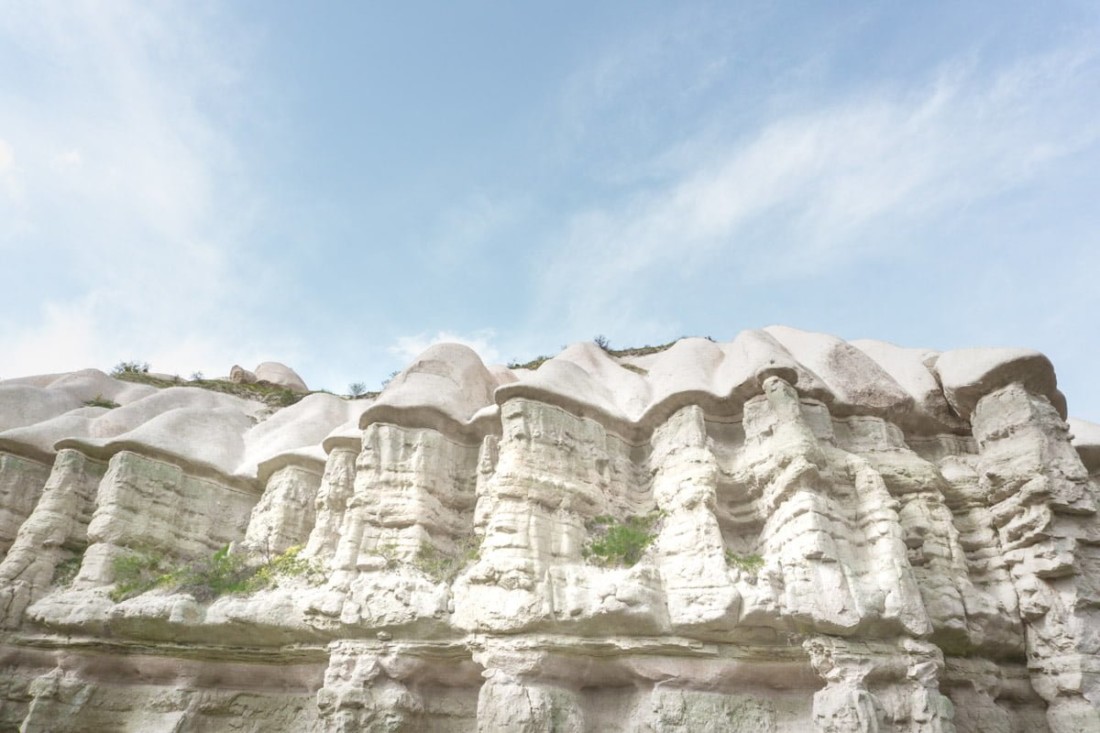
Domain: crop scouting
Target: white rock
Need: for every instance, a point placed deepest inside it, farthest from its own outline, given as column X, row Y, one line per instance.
column 783, row 532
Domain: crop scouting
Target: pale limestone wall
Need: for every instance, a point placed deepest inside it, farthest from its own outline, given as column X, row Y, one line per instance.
column 55, row 530
column 286, row 513
column 21, row 484
column 149, row 505
column 336, row 489
column 844, row 540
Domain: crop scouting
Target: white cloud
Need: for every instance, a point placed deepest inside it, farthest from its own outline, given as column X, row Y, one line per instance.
column 64, row 339
column 68, row 159
column 822, row 186
column 9, row 183
column 408, row 348
column 133, row 204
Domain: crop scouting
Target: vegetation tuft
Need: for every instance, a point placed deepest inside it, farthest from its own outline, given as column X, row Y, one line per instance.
column 388, row 552
column 137, row 573
column 533, row 364
column 751, row 564
column 221, row 574
column 66, row 570
column 101, row 401
column 130, row 367
column 620, row 544
column 266, row 392
column 642, row 350
column 443, row 568
column 387, row 380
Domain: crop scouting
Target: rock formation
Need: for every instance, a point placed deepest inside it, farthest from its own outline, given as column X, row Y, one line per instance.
column 785, row 532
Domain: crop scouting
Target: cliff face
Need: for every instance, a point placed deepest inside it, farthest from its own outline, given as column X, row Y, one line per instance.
column 785, row 532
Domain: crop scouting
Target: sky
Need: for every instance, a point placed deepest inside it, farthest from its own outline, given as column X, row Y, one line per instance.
column 337, row 186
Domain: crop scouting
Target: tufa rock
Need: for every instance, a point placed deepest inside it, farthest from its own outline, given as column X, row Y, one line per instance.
column 783, row 532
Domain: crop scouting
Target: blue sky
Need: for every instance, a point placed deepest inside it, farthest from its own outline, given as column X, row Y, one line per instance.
column 336, row 186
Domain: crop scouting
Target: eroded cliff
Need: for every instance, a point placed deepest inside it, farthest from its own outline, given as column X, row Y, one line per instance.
column 784, row 532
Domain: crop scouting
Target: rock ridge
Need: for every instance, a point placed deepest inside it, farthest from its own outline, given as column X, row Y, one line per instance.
column 782, row 532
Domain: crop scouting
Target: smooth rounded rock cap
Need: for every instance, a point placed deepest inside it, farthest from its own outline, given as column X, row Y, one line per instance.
column 445, row 387
column 753, row 356
column 91, row 384
column 37, row 440
column 907, row 367
column 240, row 375
column 294, row 429
column 211, row 439
column 347, row 435
column 448, row 388
column 22, row 405
column 967, row 375
column 280, row 374
column 1086, row 439
column 855, row 381
column 567, row 384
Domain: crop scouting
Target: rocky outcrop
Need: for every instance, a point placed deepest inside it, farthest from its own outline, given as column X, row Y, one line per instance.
column 784, row 532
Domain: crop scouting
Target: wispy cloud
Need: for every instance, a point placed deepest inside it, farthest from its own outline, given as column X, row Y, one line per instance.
column 131, row 203
column 9, row 183
column 821, row 187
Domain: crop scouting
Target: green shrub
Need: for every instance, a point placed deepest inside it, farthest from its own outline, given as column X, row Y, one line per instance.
column 287, row 565
column 751, row 564
column 130, row 367
column 620, row 544
column 442, row 567
column 222, row 574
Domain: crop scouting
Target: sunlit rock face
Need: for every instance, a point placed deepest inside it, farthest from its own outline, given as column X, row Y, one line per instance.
column 783, row 532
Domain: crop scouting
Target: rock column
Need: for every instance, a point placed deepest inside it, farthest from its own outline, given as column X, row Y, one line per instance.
column 1044, row 511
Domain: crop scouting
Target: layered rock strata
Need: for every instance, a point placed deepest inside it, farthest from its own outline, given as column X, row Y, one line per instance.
column 784, row 532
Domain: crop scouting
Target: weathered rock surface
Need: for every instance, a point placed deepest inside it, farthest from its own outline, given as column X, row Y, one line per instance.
column 785, row 532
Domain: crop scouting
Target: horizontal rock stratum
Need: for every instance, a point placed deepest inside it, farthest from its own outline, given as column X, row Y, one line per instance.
column 784, row 532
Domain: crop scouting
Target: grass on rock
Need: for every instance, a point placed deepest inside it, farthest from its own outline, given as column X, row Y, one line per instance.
column 443, row 567
column 223, row 573
column 751, row 564
column 270, row 394
column 101, row 401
